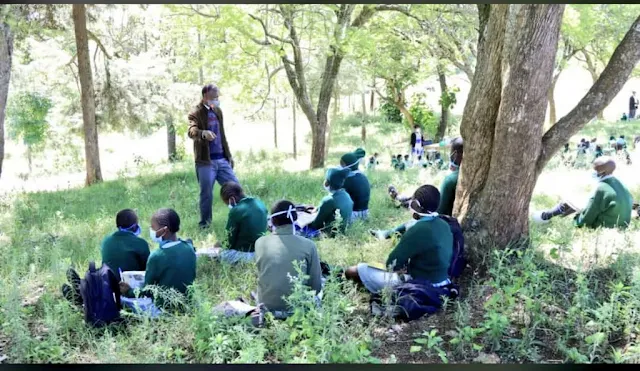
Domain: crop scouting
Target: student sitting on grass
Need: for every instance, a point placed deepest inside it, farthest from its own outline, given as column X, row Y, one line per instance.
column 424, row 251
column 407, row 161
column 448, row 186
column 173, row 264
column 399, row 163
column 373, row 162
column 337, row 200
column 610, row 206
column 246, row 223
column 357, row 186
column 124, row 250
column 276, row 255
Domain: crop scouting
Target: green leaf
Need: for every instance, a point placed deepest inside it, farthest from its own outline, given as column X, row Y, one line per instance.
column 415, row 348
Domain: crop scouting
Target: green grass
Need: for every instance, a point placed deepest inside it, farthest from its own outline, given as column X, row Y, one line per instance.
column 529, row 308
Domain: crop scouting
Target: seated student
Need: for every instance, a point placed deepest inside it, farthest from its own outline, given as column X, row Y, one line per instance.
column 621, row 144
column 609, row 207
column 399, row 163
column 173, row 264
column 373, row 162
column 275, row 258
column 121, row 251
column 448, row 186
column 424, row 251
column 356, row 185
column 624, row 117
column 337, row 200
column 124, row 250
column 246, row 223
column 407, row 161
column 612, row 142
column 598, row 152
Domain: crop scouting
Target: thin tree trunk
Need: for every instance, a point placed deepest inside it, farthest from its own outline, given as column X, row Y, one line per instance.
column 200, row 71
column 275, row 122
column 171, row 139
column 593, row 71
column 405, row 112
column 498, row 212
column 92, row 153
column 6, row 53
column 334, row 116
column 363, row 131
column 30, row 158
column 444, row 105
column 294, row 106
column 371, row 101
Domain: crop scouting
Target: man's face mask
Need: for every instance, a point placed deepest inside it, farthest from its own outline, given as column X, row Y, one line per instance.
column 214, row 103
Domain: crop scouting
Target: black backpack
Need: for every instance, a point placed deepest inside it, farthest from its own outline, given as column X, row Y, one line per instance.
column 100, row 296
column 458, row 261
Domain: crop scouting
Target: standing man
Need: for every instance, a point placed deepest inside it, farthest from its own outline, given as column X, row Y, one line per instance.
column 416, row 145
column 210, row 148
column 633, row 105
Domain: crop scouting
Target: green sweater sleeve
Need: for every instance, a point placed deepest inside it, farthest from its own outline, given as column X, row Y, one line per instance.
column 326, row 213
column 404, row 251
column 589, row 215
column 315, row 272
column 144, row 254
column 232, row 229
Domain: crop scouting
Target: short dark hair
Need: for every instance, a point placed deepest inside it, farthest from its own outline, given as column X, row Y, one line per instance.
column 207, row 88
column 126, row 218
column 231, row 189
column 168, row 218
column 283, row 205
column 428, row 198
column 416, row 126
column 375, row 154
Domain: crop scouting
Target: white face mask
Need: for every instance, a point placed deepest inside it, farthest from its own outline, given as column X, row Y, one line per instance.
column 327, row 188
column 153, row 236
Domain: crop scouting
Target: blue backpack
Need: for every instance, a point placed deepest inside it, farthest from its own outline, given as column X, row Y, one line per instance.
column 100, row 296
column 458, row 262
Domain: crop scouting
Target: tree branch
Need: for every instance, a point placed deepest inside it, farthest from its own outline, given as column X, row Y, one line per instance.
column 611, row 80
column 93, row 37
column 214, row 16
column 267, row 35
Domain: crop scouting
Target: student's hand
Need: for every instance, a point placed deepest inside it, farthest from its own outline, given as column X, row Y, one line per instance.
column 208, row 135
column 124, row 287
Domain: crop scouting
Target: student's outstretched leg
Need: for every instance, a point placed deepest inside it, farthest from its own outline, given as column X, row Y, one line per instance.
column 562, row 209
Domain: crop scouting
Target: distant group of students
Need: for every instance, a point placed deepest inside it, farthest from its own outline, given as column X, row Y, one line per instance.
column 422, row 260
column 587, row 148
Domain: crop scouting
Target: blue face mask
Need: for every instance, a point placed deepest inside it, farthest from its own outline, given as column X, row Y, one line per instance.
column 214, row 103
column 453, row 166
column 135, row 229
column 594, row 175
column 153, row 236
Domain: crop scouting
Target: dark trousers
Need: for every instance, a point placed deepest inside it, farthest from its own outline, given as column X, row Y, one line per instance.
column 207, row 175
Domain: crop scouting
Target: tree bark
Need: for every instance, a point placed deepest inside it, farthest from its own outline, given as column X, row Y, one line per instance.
column 275, row 122
column 405, row 112
column 92, row 153
column 171, row 139
column 371, row 102
column 294, row 107
column 444, row 106
column 593, row 71
column 6, row 54
column 552, row 100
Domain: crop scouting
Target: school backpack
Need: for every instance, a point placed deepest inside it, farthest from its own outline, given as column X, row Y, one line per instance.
column 100, row 296
column 458, row 262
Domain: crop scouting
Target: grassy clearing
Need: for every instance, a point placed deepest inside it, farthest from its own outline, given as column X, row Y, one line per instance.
column 575, row 297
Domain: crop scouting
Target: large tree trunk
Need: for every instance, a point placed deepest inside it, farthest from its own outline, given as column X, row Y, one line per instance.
column 444, row 105
column 6, row 53
column 496, row 211
column 294, row 107
column 552, row 100
column 171, row 139
column 92, row 153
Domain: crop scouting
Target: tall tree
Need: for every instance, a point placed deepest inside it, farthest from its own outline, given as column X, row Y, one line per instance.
column 6, row 54
column 502, row 124
column 92, row 153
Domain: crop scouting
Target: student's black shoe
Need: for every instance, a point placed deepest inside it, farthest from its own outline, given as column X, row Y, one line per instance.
column 567, row 209
column 73, row 278
column 71, row 295
column 203, row 226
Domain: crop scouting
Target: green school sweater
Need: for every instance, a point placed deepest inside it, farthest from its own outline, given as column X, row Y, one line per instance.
column 124, row 251
column 339, row 200
column 247, row 222
column 172, row 265
column 275, row 257
column 609, row 207
column 358, row 187
column 425, row 250
column 448, row 193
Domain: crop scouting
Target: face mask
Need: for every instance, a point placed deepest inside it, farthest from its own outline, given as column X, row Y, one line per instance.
column 153, row 236
column 135, row 229
column 214, row 103
column 231, row 206
column 289, row 213
column 326, row 188
column 453, row 165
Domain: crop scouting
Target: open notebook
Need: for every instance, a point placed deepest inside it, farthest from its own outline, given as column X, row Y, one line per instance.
column 305, row 219
column 135, row 279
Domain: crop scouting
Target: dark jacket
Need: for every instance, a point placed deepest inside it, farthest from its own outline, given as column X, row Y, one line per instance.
column 633, row 104
column 198, row 121
column 425, row 141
